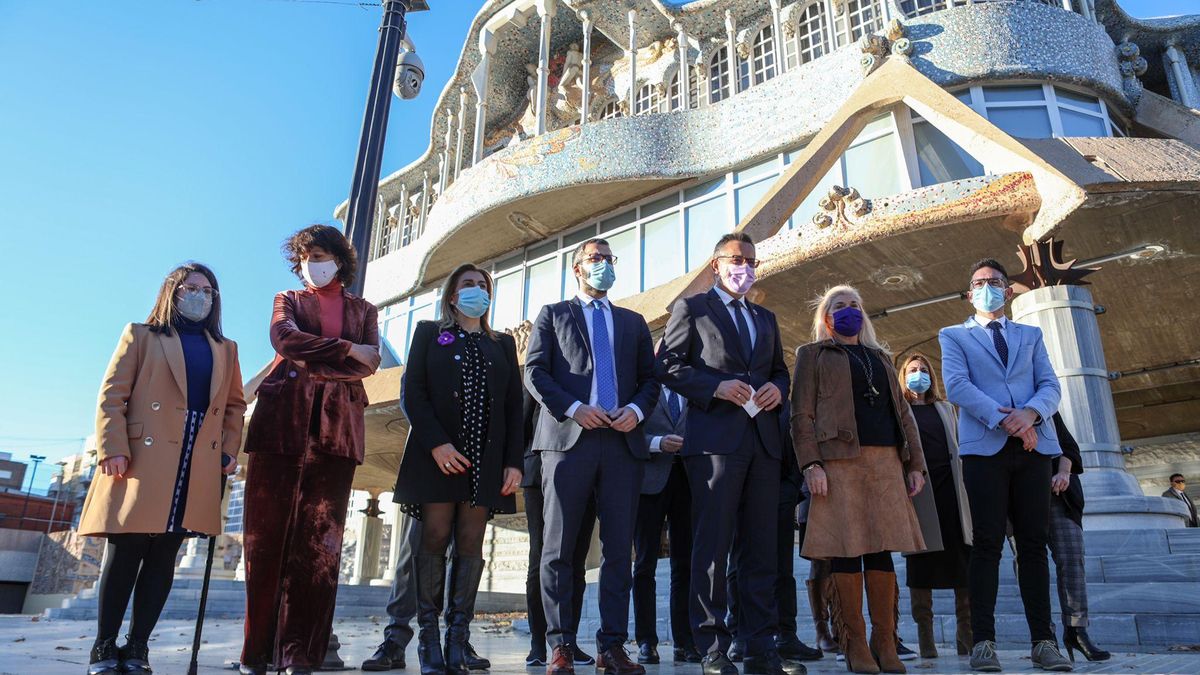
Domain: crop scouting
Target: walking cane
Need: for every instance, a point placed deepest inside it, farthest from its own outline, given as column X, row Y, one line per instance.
column 212, row 547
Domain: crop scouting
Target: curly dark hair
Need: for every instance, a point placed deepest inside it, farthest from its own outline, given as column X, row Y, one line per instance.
column 329, row 238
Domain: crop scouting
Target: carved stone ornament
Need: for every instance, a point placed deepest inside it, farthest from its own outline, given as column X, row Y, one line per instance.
column 876, row 48
column 1044, row 266
column 842, row 206
column 1132, row 66
column 521, row 335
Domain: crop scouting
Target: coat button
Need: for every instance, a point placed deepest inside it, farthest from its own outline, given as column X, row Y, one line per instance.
column 148, row 440
column 292, row 373
column 155, row 406
column 457, row 357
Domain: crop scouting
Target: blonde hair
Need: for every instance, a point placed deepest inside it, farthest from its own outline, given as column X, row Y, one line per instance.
column 931, row 394
column 822, row 328
column 450, row 292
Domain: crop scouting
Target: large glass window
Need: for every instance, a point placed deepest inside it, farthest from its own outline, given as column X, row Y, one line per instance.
column 812, row 36
column 543, row 285
column 627, row 248
column 662, row 256
column 718, row 75
column 863, row 17
column 763, row 56
column 648, row 100
column 706, row 222
column 508, row 303
column 1041, row 110
column 940, row 159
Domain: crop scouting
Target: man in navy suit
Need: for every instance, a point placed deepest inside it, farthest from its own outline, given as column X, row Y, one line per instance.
column 999, row 374
column 665, row 497
column 591, row 368
column 722, row 353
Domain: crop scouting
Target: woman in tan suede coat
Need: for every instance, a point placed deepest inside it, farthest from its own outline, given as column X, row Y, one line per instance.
column 168, row 426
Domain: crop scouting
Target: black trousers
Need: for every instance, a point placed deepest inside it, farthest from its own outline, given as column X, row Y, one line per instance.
column 535, row 501
column 737, row 492
column 142, row 565
column 674, row 505
column 785, row 582
column 402, row 606
column 1012, row 485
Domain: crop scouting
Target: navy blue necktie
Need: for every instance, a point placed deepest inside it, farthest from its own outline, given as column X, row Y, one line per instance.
column 743, row 330
column 606, row 385
column 674, row 408
column 998, row 339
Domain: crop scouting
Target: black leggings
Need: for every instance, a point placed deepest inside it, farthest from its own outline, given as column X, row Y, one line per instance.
column 142, row 565
column 875, row 562
column 464, row 522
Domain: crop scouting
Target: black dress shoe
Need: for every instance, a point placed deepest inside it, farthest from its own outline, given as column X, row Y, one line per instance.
column 771, row 663
column 1077, row 640
column 473, row 659
column 791, row 647
column 536, row 658
column 737, row 651
column 388, row 656
column 135, row 657
column 717, row 663
column 243, row 669
column 687, row 654
column 105, row 658
column 647, row 653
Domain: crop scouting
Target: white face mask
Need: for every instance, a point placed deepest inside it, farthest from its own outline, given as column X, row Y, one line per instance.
column 318, row 274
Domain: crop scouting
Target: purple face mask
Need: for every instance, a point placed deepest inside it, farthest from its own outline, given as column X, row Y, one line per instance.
column 848, row 321
column 740, row 278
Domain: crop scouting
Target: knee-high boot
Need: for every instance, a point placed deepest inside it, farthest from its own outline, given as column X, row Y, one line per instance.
column 962, row 621
column 820, row 614
column 881, row 602
column 848, row 621
column 464, row 586
column 922, row 613
column 431, row 594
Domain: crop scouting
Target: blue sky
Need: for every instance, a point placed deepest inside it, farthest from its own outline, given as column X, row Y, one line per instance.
column 137, row 134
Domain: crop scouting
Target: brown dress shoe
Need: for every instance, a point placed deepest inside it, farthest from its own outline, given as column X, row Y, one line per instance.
column 614, row 661
column 562, row 661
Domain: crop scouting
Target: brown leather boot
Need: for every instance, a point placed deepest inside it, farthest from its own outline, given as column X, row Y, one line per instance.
column 962, row 621
column 820, row 614
column 848, row 621
column 881, row 603
column 922, row 613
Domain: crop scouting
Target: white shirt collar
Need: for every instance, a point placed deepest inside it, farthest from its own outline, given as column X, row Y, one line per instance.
column 587, row 300
column 984, row 322
column 726, row 298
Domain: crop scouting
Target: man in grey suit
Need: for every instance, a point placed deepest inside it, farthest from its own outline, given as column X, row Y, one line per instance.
column 724, row 353
column 1176, row 491
column 665, row 497
column 591, row 368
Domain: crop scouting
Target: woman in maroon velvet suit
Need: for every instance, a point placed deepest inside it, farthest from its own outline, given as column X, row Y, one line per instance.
column 305, row 440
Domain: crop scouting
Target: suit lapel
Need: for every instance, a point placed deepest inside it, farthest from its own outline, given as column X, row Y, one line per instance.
column 760, row 329
column 1015, row 336
column 581, row 329
column 219, row 357
column 173, row 351
column 984, row 337
column 350, row 311
column 729, row 333
column 618, row 325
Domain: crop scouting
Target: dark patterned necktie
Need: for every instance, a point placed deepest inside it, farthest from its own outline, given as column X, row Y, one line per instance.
column 674, row 408
column 606, row 381
column 743, row 330
column 998, row 339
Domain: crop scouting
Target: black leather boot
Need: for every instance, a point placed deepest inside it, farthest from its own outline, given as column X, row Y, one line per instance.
column 1077, row 640
column 105, row 658
column 135, row 656
column 464, row 587
column 431, row 592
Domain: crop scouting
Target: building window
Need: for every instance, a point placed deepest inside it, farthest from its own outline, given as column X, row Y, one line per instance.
column 812, row 34
column 863, row 17
column 763, row 56
column 647, row 101
column 1041, row 110
column 915, row 8
column 718, row 75
column 613, row 109
column 674, row 97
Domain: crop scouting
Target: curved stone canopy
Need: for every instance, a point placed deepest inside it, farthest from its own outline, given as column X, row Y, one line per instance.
column 1152, row 36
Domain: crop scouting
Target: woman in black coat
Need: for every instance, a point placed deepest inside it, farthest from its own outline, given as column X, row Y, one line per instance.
column 463, row 458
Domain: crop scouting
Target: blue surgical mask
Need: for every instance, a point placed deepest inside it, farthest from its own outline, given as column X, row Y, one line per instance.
column 601, row 275
column 987, row 299
column 918, row 382
column 472, row 301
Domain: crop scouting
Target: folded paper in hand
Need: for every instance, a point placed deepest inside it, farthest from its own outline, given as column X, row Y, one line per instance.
column 750, row 406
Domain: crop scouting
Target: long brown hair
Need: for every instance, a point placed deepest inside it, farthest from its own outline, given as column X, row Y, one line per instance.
column 932, row 394
column 165, row 315
column 450, row 291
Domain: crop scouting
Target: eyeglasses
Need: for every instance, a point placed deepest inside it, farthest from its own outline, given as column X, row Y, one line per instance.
column 740, row 260
column 1179, row 482
column 600, row 257
column 208, row 291
column 994, row 282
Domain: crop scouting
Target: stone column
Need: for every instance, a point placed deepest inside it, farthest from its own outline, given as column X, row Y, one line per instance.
column 389, row 574
column 777, row 35
column 479, row 79
column 546, row 10
column 685, row 81
column 1067, row 317
column 633, row 88
column 585, row 103
column 1177, row 67
column 424, row 205
column 462, row 122
column 191, row 566
column 402, row 217
column 444, row 173
column 370, row 538
column 731, row 45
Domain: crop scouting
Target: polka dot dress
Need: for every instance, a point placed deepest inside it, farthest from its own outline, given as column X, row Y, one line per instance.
column 475, row 404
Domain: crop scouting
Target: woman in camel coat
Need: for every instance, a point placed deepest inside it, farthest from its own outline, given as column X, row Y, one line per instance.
column 169, row 423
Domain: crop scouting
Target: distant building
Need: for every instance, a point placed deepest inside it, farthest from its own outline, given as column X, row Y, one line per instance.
column 12, row 474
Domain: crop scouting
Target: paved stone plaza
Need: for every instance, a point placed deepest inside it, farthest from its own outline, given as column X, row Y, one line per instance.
column 45, row 647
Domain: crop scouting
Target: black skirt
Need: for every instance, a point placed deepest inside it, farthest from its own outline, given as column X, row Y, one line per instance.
column 946, row 568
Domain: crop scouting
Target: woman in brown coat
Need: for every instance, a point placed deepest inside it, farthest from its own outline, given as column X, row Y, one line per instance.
column 859, row 450
column 305, row 440
column 169, row 423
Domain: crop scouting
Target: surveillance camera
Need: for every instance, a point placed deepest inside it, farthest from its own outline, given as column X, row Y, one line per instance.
column 410, row 73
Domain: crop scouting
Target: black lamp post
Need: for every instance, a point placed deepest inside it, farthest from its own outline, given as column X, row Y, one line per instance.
column 36, row 459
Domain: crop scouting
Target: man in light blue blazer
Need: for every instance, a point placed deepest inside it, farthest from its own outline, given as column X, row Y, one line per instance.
column 999, row 375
